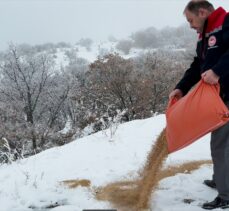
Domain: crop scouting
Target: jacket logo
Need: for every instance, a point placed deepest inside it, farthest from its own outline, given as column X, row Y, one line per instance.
column 212, row 41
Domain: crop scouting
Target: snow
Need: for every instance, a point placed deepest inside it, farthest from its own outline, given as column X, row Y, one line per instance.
column 61, row 59
column 173, row 190
column 67, row 127
column 98, row 49
column 35, row 182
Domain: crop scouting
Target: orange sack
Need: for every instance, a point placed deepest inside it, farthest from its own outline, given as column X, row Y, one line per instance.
column 196, row 114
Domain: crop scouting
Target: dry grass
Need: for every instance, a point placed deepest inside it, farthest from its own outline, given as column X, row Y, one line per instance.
column 123, row 195
column 153, row 165
column 183, row 168
column 75, row 183
column 135, row 195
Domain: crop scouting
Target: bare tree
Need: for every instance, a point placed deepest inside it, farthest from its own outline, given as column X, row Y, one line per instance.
column 33, row 91
column 23, row 82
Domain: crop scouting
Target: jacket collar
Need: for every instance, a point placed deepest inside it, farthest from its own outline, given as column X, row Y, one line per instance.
column 213, row 22
column 215, row 19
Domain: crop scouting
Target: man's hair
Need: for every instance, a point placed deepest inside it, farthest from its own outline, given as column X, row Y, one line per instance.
column 194, row 6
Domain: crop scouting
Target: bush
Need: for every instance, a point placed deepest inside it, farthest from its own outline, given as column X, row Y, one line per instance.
column 124, row 46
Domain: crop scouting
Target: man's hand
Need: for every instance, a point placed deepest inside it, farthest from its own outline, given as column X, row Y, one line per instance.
column 210, row 77
column 176, row 93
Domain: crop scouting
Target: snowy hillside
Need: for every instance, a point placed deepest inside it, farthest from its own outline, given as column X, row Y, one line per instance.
column 34, row 183
column 98, row 49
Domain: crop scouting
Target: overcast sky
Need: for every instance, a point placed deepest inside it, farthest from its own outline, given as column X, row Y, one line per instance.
column 41, row 21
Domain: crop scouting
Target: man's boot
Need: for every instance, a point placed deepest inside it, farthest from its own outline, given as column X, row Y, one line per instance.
column 217, row 203
column 210, row 183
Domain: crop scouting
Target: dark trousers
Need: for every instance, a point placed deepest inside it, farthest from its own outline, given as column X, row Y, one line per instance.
column 220, row 158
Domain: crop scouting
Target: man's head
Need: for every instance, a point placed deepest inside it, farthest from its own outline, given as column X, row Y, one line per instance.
column 197, row 12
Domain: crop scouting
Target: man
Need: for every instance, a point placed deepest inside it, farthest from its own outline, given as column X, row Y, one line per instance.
column 212, row 66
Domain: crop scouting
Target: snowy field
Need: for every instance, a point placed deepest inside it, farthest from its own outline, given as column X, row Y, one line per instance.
column 34, row 183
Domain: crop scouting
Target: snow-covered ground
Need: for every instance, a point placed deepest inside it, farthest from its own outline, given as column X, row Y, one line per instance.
column 33, row 183
column 98, row 49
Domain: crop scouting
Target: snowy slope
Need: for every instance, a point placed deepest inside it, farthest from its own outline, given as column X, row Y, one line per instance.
column 98, row 49
column 100, row 158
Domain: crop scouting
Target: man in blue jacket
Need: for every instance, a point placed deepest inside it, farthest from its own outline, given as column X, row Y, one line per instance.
column 212, row 66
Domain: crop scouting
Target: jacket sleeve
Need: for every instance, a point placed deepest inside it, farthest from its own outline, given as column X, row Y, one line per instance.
column 190, row 78
column 222, row 66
